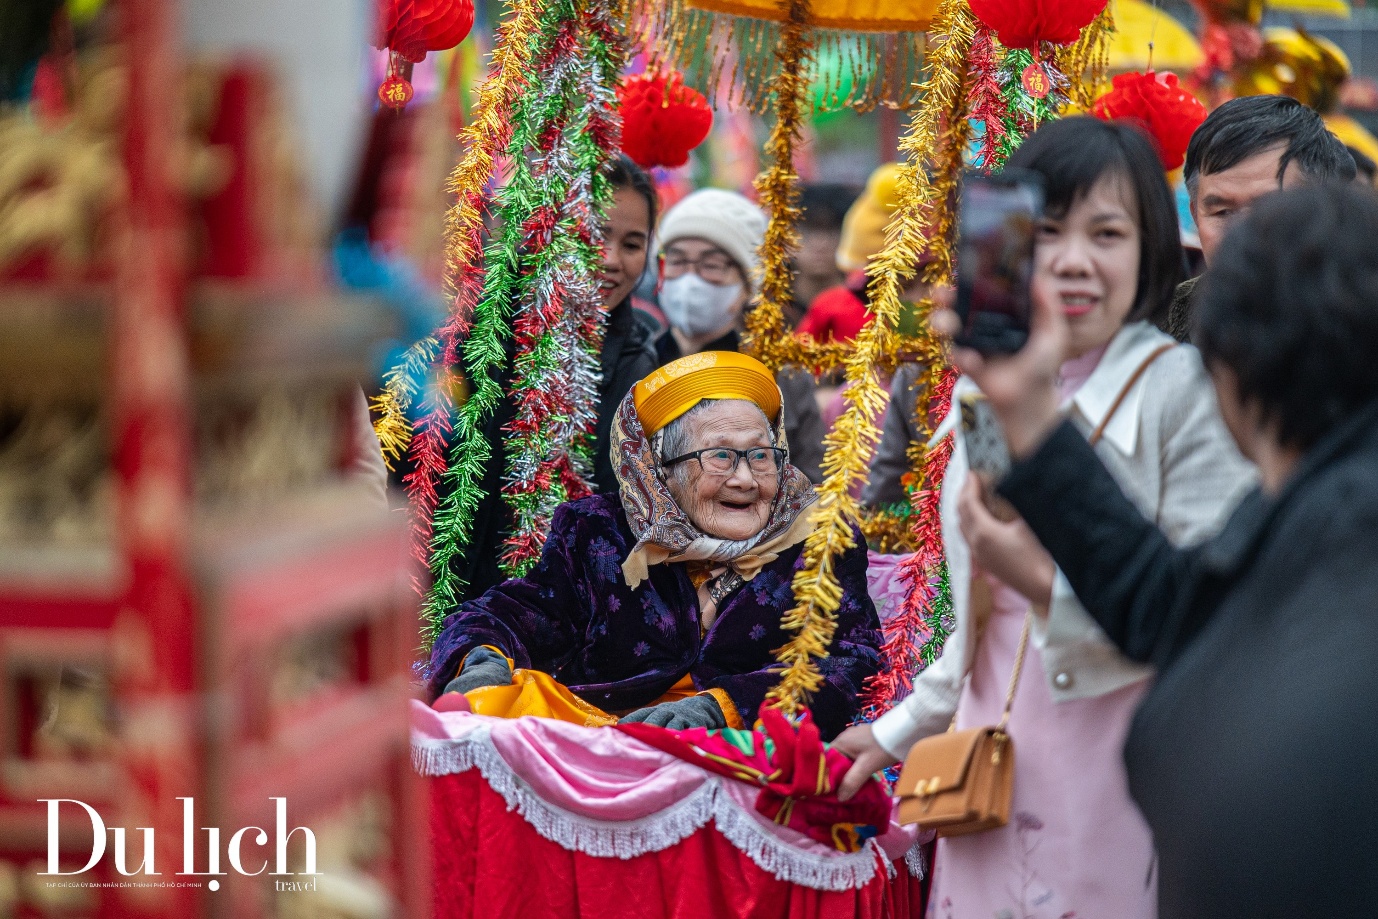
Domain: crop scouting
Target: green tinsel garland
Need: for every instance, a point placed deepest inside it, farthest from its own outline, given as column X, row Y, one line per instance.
column 560, row 325
column 484, row 350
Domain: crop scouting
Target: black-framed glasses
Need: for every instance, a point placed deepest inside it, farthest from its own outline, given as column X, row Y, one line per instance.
column 714, row 267
column 762, row 461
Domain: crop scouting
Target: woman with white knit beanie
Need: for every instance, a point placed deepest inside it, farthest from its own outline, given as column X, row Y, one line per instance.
column 709, row 269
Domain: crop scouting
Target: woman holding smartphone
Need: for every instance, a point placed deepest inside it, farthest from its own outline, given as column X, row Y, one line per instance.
column 1107, row 254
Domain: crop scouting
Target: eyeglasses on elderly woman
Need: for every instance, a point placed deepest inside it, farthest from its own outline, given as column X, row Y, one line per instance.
column 764, row 462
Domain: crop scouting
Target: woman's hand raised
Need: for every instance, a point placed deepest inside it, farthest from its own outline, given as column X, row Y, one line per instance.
column 1007, row 550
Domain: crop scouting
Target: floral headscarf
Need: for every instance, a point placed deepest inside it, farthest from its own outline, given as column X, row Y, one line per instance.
column 663, row 530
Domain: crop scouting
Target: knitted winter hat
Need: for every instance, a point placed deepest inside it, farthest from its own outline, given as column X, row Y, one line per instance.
column 725, row 219
column 863, row 229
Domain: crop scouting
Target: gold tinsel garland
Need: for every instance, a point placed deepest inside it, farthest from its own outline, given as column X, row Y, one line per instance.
column 1087, row 60
column 481, row 138
column 922, row 220
column 778, row 188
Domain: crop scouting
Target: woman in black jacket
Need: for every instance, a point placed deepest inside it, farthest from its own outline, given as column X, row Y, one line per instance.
column 1253, row 757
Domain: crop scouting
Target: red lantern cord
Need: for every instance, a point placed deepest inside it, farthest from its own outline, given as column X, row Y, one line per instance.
column 1154, row 101
column 1025, row 23
column 662, row 119
column 408, row 29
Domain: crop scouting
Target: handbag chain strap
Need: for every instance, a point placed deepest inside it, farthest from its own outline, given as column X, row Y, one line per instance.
column 1018, row 669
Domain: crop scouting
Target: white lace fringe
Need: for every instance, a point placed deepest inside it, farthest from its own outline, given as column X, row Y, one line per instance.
column 630, row 838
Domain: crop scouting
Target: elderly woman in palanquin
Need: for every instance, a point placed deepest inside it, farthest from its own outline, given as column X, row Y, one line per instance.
column 663, row 603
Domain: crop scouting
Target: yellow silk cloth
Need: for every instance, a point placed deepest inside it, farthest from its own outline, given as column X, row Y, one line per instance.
column 532, row 692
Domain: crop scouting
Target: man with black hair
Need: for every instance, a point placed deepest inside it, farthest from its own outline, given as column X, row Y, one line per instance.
column 1245, row 149
column 1367, row 168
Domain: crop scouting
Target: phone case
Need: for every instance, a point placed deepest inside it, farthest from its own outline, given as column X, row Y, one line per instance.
column 987, row 453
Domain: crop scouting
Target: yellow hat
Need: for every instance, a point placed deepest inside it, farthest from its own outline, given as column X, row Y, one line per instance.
column 863, row 229
column 678, row 386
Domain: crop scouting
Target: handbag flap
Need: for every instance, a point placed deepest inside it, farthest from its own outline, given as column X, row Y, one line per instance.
column 940, row 763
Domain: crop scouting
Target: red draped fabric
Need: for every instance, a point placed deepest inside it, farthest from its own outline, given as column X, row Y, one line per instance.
column 489, row 863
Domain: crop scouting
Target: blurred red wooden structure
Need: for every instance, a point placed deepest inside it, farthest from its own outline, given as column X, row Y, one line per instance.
column 194, row 601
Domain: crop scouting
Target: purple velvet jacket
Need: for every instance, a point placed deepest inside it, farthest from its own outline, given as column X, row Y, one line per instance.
column 574, row 617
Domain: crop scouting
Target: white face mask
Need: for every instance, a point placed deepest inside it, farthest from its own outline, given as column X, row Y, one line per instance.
column 696, row 307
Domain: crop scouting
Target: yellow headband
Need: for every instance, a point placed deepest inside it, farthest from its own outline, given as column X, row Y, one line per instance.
column 680, row 385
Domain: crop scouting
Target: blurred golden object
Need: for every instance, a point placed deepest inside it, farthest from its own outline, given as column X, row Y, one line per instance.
column 77, row 721
column 55, row 487
column 1137, row 24
column 859, row 15
column 1295, row 63
column 1352, row 134
column 58, row 184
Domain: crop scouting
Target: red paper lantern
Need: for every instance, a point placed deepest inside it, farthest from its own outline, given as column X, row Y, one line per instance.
column 410, row 28
column 1167, row 112
column 662, row 119
column 407, row 29
column 1025, row 23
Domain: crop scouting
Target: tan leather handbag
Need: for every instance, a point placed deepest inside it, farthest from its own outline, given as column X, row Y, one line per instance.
column 962, row 782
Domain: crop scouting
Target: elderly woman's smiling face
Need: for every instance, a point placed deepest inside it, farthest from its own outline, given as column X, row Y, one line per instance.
column 734, row 505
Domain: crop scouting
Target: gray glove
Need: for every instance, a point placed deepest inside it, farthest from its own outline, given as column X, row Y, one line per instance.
column 483, row 667
column 693, row 712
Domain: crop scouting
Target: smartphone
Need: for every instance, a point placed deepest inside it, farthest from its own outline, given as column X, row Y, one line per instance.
column 995, row 247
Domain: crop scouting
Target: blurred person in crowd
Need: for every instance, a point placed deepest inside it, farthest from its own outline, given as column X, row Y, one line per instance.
column 628, row 354
column 1367, row 169
column 884, row 485
column 839, row 313
column 1245, row 149
column 1107, row 258
column 662, row 603
column 1249, row 756
column 822, row 209
column 708, row 248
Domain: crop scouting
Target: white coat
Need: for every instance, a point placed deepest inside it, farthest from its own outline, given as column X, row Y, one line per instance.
column 1169, row 450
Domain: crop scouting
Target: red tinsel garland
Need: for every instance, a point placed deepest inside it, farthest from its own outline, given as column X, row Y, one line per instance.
column 987, row 99
column 662, row 119
column 908, row 631
column 1155, row 102
column 1025, row 23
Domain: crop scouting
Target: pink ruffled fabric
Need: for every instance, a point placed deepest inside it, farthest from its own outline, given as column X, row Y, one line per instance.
column 599, row 774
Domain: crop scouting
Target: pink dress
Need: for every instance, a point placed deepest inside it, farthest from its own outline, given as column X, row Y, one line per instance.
column 1076, row 846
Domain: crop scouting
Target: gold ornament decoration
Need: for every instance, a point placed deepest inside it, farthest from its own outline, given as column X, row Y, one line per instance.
column 1295, row 63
